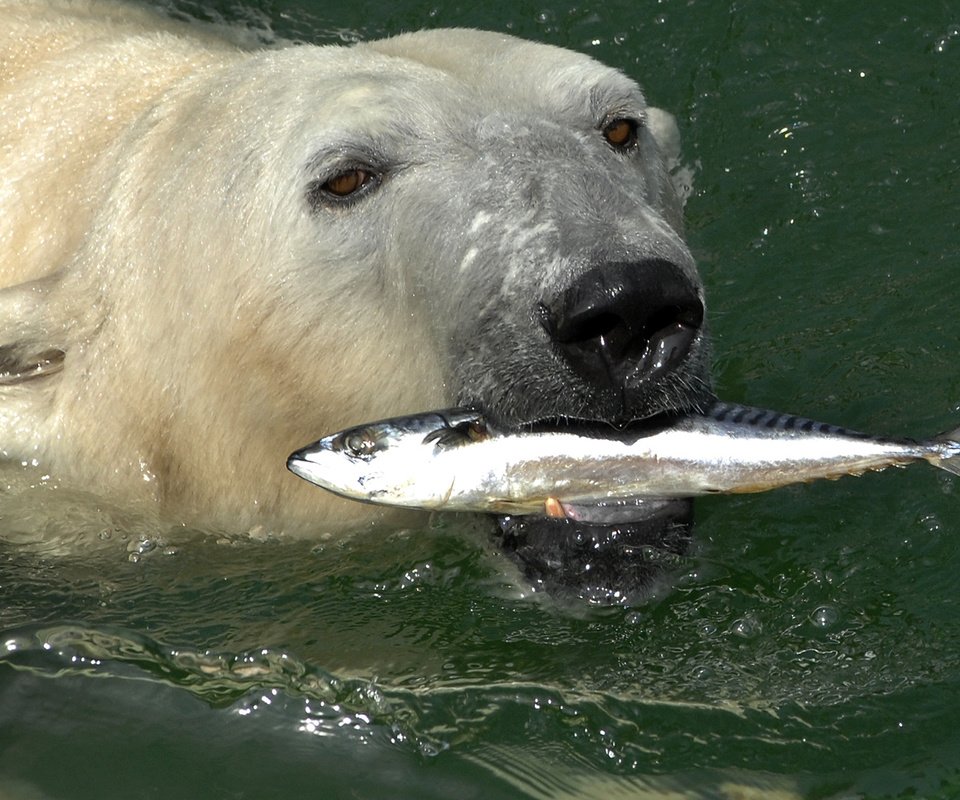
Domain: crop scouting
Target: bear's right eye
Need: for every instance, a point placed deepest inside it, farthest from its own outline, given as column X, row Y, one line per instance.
column 344, row 187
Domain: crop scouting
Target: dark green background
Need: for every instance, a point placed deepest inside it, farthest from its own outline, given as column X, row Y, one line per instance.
column 809, row 643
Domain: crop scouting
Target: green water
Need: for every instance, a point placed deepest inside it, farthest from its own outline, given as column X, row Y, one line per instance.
column 810, row 641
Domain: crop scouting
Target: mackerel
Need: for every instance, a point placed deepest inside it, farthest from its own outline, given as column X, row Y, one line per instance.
column 455, row 460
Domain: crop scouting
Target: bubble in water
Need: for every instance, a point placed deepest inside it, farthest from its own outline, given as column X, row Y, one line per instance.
column 941, row 42
column 141, row 546
column 747, row 626
column 825, row 616
column 430, row 749
column 931, row 523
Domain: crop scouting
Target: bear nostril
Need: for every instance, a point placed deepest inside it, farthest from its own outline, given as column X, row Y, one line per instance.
column 623, row 324
column 666, row 349
column 587, row 327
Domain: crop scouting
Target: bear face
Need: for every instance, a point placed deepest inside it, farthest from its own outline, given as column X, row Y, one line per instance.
column 273, row 245
column 562, row 254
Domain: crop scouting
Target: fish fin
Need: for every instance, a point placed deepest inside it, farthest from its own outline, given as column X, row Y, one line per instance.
column 949, row 458
column 554, row 508
column 458, row 434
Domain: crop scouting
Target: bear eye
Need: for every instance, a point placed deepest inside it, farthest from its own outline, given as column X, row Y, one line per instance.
column 621, row 133
column 344, row 187
column 348, row 183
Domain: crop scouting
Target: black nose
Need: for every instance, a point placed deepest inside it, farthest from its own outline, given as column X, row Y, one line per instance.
column 623, row 324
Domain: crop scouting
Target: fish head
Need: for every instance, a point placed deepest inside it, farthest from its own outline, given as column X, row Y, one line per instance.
column 388, row 462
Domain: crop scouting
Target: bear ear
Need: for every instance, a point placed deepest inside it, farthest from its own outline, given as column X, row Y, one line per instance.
column 663, row 127
column 32, row 336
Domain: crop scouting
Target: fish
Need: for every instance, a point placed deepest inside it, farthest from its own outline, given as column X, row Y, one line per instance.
column 457, row 460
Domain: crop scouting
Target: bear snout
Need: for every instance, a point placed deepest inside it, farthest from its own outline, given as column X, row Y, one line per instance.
column 624, row 325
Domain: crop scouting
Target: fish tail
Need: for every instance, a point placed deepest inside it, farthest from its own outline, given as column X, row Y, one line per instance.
column 947, row 455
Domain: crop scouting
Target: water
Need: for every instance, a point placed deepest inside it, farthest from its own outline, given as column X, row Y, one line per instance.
column 809, row 644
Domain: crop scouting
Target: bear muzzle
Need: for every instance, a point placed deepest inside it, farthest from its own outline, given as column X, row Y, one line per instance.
column 623, row 326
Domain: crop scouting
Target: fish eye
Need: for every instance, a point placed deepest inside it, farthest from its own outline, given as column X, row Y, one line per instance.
column 361, row 443
column 621, row 133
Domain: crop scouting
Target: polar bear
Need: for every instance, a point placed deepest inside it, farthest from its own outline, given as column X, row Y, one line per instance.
column 212, row 255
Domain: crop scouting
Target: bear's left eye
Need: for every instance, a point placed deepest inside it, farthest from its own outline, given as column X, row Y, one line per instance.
column 346, row 186
column 621, row 133
column 348, row 183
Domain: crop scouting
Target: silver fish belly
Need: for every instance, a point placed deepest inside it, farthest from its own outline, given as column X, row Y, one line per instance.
column 454, row 461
